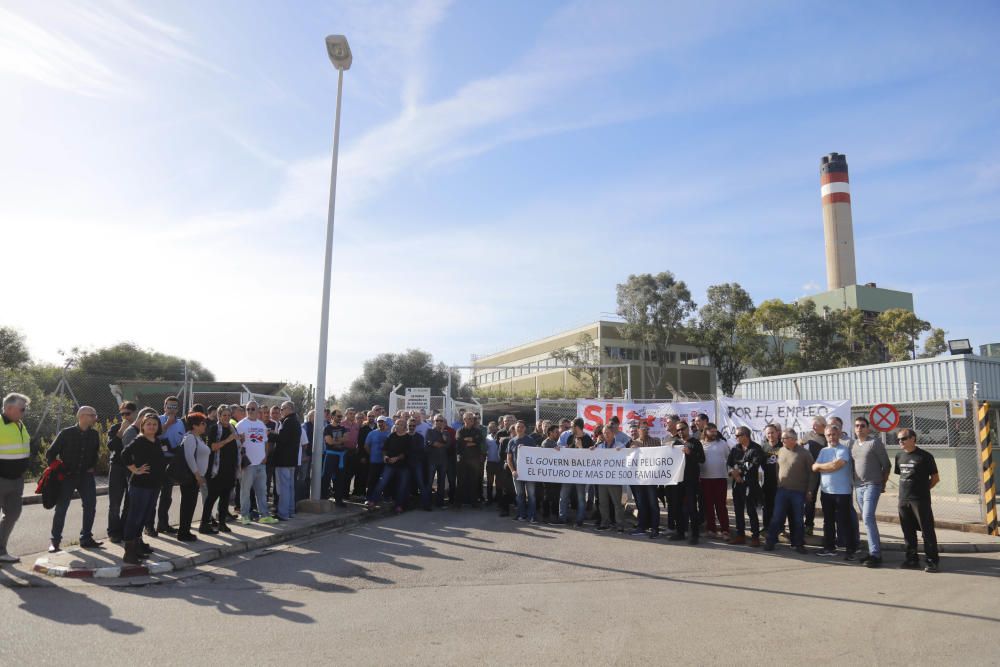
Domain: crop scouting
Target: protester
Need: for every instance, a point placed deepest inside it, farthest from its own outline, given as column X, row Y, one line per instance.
column 196, row 454
column 744, row 468
column 871, row 472
column 645, row 495
column 335, row 459
column 578, row 439
column 118, row 473
column 684, row 498
column 223, row 468
column 77, row 447
column 772, row 444
column 287, row 446
column 507, row 493
column 253, row 472
column 815, row 441
column 416, row 463
column 438, row 443
column 550, row 490
column 143, row 457
column 609, row 496
column 494, row 465
column 795, row 478
column 714, row 475
column 373, row 447
column 350, row 448
column 524, row 491
column 836, row 495
column 394, row 456
column 918, row 474
column 470, row 442
column 361, row 460
column 172, row 431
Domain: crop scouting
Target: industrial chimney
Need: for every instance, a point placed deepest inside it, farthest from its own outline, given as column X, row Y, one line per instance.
column 838, row 228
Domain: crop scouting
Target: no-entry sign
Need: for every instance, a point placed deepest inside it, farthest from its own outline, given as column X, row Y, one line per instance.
column 884, row 417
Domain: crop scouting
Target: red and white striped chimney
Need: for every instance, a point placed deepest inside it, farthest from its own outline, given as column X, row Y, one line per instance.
column 838, row 227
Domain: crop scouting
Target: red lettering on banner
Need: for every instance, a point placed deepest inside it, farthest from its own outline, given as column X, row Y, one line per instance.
column 591, row 416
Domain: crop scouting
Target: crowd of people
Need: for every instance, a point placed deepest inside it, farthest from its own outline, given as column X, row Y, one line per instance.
column 252, row 463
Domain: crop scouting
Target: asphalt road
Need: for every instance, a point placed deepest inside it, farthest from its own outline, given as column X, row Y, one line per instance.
column 468, row 588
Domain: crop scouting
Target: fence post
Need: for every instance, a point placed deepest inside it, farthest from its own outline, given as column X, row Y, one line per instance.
column 984, row 443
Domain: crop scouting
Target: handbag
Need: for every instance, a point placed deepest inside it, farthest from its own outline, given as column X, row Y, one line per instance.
column 177, row 468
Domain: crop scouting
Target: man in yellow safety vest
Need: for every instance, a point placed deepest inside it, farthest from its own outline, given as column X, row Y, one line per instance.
column 15, row 452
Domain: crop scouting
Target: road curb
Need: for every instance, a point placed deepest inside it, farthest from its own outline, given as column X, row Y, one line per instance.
column 42, row 565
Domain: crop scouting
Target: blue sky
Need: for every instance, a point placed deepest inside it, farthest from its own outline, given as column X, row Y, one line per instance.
column 503, row 166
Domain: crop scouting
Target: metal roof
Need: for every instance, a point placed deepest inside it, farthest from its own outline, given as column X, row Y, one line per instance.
column 917, row 381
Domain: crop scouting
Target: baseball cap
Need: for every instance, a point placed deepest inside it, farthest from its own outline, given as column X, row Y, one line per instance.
column 380, row 418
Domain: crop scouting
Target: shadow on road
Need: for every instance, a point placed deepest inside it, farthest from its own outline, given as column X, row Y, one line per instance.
column 63, row 605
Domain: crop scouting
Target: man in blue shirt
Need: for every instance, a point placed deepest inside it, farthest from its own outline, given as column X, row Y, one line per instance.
column 170, row 439
column 836, row 487
column 373, row 445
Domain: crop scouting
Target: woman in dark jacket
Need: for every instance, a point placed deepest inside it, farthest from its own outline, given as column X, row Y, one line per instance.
column 222, row 469
column 196, row 454
column 144, row 460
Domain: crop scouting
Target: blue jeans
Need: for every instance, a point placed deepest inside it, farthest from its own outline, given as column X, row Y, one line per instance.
column 787, row 504
column 868, row 500
column 141, row 504
column 649, row 508
column 581, row 503
column 418, row 473
column 85, row 484
column 284, row 483
column 525, row 499
column 255, row 478
column 402, row 474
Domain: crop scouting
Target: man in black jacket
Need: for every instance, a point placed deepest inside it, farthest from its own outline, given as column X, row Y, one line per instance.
column 77, row 448
column 287, row 445
column 744, row 467
column 684, row 501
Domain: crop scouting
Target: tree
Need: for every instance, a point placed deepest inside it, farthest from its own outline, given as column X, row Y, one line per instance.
column 413, row 368
column 776, row 321
column 899, row 329
column 127, row 361
column 654, row 309
column 859, row 346
column 13, row 351
column 584, row 357
column 820, row 343
column 935, row 344
column 722, row 329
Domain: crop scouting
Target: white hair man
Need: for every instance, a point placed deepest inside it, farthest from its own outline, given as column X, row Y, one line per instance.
column 15, row 452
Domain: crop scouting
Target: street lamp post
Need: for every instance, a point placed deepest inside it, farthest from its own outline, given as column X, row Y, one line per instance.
column 340, row 55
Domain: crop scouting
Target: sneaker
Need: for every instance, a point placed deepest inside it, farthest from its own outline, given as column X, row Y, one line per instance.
column 90, row 543
column 864, row 561
column 7, row 558
column 850, row 557
column 637, row 532
column 54, row 547
column 533, row 522
column 602, row 528
column 654, row 534
column 245, row 521
column 826, row 552
column 910, row 565
column 873, row 561
column 931, row 566
column 151, row 532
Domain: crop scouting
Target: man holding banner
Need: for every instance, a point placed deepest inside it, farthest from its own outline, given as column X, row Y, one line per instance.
column 645, row 496
column 609, row 496
column 684, row 499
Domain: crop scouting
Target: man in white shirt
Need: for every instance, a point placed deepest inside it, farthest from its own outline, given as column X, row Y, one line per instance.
column 253, row 465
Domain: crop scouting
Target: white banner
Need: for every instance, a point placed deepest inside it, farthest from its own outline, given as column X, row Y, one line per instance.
column 418, row 398
column 756, row 415
column 596, row 411
column 639, row 466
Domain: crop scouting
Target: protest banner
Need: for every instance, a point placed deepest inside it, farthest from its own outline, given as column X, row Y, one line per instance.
column 597, row 411
column 756, row 415
column 640, row 466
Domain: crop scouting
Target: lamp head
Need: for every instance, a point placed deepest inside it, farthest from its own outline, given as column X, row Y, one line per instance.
column 339, row 51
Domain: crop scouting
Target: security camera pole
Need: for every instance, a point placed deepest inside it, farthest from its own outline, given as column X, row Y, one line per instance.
column 340, row 55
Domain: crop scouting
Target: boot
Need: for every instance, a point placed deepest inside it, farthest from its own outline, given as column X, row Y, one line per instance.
column 143, row 549
column 131, row 555
column 737, row 538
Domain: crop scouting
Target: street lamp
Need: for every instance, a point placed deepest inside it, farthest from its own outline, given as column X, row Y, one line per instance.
column 340, row 55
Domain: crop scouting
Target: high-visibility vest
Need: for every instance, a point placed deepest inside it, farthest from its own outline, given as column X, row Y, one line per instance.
column 15, row 443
